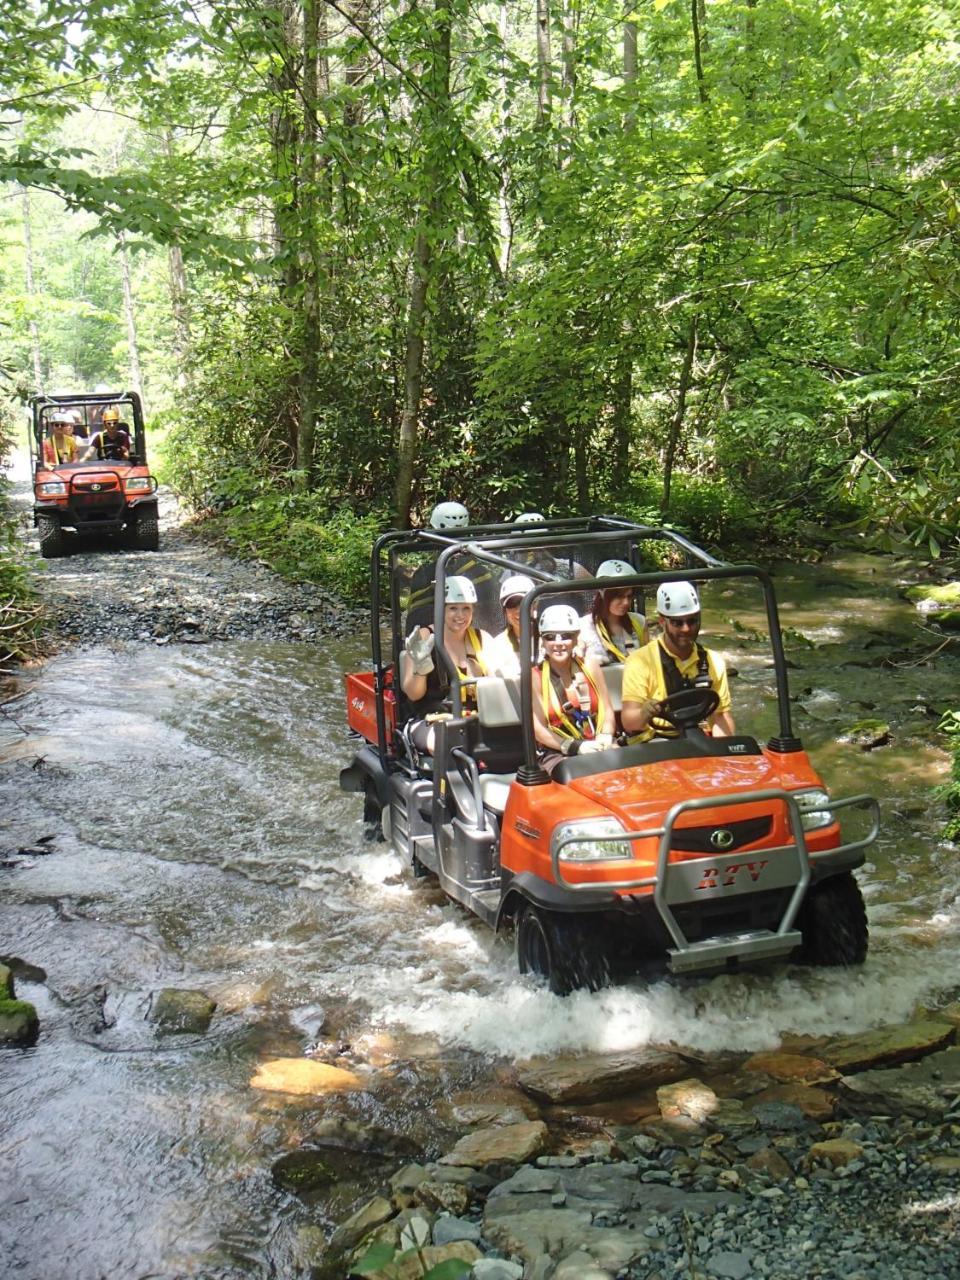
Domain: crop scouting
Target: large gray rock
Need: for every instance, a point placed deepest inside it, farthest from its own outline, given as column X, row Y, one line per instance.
column 602, row 1189
column 559, row 1232
column 367, row 1217
column 924, row 1089
column 593, row 1077
column 507, row 1144
column 888, row 1045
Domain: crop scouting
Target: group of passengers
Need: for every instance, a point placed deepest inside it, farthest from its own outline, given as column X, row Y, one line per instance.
column 66, row 441
column 573, row 713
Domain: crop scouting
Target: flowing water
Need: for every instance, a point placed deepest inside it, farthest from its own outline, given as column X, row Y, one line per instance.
column 201, row 841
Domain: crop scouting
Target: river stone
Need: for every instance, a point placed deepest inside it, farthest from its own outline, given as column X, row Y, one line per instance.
column 780, row 1117
column 593, row 1077
column 529, row 1178
column 944, row 595
column 791, row 1067
column 370, row 1215
column 730, row 1116
column 415, row 1265
column 888, row 1045
column 508, row 1144
column 406, row 1180
column 866, row 734
column 187, row 1012
column 579, row 1266
column 301, row 1171
column 447, row 1229
column 494, row 1107
column 6, row 983
column 19, row 1024
column 496, row 1269
column 730, row 1265
column 687, row 1098
column 836, row 1151
column 449, row 1197
column 816, row 1104
column 553, row 1231
column 302, row 1076
column 923, row 1089
column 950, row 1013
column 944, row 1164
column 771, row 1163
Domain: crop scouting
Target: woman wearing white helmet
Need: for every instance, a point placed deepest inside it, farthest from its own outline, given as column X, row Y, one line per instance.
column 571, row 710
column 504, row 653
column 424, row 684
column 610, row 632
column 673, row 662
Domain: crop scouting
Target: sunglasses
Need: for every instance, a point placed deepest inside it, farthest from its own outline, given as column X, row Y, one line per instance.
column 555, row 637
column 685, row 624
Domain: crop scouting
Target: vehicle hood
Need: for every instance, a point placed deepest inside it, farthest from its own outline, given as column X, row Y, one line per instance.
column 638, row 794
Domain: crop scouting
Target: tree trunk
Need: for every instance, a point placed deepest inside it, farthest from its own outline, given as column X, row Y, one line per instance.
column 630, row 62
column 503, row 194
column 581, row 470
column 622, row 418
column 676, row 424
column 544, row 62
column 130, row 316
column 309, row 265
column 180, row 306
column 435, row 107
column 571, row 25
column 31, row 290
column 697, row 11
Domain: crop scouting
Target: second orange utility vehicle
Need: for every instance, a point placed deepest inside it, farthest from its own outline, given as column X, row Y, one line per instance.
column 697, row 852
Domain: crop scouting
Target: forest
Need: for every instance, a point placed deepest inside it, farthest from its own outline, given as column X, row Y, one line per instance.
column 694, row 261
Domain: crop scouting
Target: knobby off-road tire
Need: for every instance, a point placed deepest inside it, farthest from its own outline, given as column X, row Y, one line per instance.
column 833, row 922
column 562, row 950
column 52, row 540
column 146, row 533
column 373, row 825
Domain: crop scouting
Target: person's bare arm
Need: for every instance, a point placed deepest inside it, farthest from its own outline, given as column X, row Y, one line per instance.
column 722, row 725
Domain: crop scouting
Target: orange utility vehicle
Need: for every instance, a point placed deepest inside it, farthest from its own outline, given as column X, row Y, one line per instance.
column 102, row 495
column 700, row 852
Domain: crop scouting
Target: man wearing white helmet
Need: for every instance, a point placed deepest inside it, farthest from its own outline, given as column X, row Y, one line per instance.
column 451, row 518
column 425, row 681
column 504, row 657
column 449, row 515
column 610, row 632
column 672, row 662
column 572, row 713
column 530, row 517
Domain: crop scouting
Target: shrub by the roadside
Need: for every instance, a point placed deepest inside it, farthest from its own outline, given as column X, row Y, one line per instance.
column 20, row 613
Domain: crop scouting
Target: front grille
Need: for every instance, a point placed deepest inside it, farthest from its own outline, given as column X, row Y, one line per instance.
column 698, row 839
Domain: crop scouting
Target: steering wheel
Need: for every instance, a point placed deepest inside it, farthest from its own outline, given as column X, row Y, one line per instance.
column 687, row 707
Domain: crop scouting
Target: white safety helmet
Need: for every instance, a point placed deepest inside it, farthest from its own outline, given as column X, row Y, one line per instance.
column 559, row 617
column 515, row 584
column 459, row 590
column 449, row 515
column 615, row 569
column 677, row 599
column 530, row 517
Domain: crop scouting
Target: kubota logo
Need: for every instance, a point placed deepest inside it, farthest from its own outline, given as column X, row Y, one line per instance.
column 95, row 488
column 711, row 878
column 721, row 838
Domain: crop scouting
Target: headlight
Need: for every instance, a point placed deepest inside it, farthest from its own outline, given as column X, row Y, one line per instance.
column 138, row 482
column 582, row 841
column 814, row 809
column 52, row 487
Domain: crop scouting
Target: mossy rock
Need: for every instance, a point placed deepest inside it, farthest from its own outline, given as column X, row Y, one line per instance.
column 6, row 983
column 949, row 619
column 866, row 734
column 19, row 1024
column 186, row 1012
column 302, row 1171
column 945, row 595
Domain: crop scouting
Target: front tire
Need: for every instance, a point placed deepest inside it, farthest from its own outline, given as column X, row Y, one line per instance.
column 562, row 950
column 833, row 922
column 52, row 542
column 146, row 533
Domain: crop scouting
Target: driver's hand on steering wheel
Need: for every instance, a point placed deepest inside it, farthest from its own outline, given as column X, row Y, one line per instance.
column 649, row 709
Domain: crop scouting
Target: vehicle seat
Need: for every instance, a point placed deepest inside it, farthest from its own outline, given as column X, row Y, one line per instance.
column 613, row 677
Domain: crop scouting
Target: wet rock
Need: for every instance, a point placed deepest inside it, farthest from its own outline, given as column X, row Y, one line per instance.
column 505, row 1106
column 816, row 1104
column 446, row 1197
column 301, row 1171
column 448, row 1229
column 924, row 1089
column 929, row 599
column 508, row 1144
column 302, row 1076
column 730, row 1265
column 592, row 1077
column 19, row 1024
column 406, row 1180
column 792, row 1067
column 365, row 1219
column 579, row 1266
column 413, row 1266
column 496, row 1269
column 835, row 1151
column 731, row 1117
column 687, row 1098
column 771, row 1163
column 6, row 983
column 185, row 1012
column 530, row 1234
column 866, row 734
column 888, row 1045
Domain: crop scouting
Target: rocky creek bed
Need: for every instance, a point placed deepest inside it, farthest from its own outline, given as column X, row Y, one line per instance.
column 836, row 1158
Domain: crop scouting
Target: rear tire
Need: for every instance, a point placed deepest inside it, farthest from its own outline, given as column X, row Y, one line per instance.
column 562, row 950
column 146, row 533
column 52, row 542
column 372, row 816
column 833, row 922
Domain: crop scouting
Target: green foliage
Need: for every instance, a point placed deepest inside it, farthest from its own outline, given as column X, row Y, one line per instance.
column 20, row 613
column 382, row 1257
column 949, row 793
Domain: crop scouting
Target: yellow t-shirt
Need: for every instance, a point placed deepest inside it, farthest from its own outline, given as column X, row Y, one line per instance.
column 643, row 677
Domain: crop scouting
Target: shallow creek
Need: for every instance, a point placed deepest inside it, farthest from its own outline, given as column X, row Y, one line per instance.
column 201, row 841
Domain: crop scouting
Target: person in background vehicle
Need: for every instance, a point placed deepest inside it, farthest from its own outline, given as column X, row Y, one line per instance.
column 79, row 429
column 112, row 442
column 672, row 662
column 504, row 656
column 571, row 710
column 446, row 517
column 610, row 632
column 59, row 445
column 424, row 684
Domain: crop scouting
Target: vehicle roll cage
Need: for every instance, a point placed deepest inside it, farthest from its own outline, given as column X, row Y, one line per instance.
column 76, row 401
column 492, row 543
